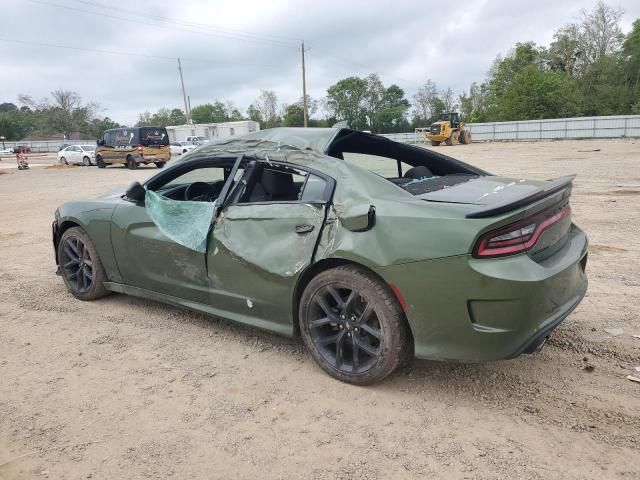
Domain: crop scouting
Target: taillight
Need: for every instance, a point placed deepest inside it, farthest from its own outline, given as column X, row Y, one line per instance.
column 520, row 236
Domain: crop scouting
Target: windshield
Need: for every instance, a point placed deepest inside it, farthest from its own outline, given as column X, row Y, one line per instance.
column 87, row 147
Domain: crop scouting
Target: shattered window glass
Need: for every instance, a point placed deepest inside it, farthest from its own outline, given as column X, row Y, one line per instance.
column 185, row 222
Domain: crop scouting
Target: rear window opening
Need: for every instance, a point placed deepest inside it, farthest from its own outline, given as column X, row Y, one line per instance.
column 414, row 169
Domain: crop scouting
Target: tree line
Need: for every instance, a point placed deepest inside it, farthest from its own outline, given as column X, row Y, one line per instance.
column 590, row 68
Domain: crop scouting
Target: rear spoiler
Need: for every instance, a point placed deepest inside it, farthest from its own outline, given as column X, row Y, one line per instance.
column 552, row 187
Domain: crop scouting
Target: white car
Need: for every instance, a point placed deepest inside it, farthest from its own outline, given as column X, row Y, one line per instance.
column 78, row 154
column 178, row 148
column 195, row 140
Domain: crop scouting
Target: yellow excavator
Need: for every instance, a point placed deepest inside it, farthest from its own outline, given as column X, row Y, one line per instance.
column 448, row 129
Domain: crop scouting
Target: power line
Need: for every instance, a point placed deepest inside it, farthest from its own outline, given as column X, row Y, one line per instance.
column 166, row 27
column 221, row 31
column 192, row 24
column 114, row 52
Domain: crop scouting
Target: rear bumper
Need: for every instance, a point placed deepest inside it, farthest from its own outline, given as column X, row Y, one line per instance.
column 473, row 310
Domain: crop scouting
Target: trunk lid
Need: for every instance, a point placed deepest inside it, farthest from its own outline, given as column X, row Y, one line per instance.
column 509, row 201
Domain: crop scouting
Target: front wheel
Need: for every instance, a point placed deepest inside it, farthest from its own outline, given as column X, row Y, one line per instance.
column 64, row 161
column 159, row 164
column 100, row 162
column 80, row 266
column 353, row 325
column 86, row 161
column 131, row 163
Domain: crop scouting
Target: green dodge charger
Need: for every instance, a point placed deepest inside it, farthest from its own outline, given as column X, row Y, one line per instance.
column 372, row 251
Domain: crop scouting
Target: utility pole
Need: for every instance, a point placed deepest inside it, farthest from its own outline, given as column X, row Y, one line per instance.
column 187, row 111
column 304, row 91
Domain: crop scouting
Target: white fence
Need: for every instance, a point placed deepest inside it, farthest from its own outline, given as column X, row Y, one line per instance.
column 47, row 146
column 619, row 126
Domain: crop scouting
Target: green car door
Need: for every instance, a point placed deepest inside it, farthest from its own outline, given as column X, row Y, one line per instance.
column 263, row 240
column 156, row 255
column 148, row 259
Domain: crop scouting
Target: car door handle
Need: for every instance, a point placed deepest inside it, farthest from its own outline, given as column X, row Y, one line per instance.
column 304, row 229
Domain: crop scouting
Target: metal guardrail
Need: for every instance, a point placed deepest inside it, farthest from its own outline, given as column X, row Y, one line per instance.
column 45, row 146
column 618, row 126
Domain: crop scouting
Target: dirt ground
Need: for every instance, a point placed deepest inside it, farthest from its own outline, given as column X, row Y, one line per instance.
column 126, row 388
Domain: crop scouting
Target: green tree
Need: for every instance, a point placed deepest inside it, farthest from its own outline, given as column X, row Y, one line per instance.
column 177, row 117
column 631, row 61
column 99, row 125
column 294, row 116
column 209, row 113
column 254, row 114
column 391, row 115
column 535, row 93
column 344, row 99
column 267, row 105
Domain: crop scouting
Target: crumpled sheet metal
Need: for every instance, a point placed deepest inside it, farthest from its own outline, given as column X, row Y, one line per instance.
column 184, row 222
column 412, row 232
column 264, row 235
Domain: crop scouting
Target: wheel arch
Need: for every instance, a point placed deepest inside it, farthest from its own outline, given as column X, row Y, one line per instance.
column 326, row 264
column 63, row 226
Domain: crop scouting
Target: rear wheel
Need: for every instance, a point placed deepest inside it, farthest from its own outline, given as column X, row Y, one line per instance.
column 159, row 164
column 353, row 326
column 80, row 265
column 100, row 162
column 131, row 163
column 434, row 143
column 64, row 160
column 86, row 161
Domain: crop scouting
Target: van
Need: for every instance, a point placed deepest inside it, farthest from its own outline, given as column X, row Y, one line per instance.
column 133, row 146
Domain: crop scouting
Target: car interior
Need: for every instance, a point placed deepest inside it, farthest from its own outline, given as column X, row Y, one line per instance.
column 427, row 170
column 263, row 184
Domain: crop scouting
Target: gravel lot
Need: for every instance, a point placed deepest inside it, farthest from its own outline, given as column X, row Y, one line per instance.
column 126, row 388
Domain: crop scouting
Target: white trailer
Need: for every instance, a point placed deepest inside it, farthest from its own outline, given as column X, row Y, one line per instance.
column 212, row 131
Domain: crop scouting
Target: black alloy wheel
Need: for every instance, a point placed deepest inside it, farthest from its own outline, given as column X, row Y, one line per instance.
column 345, row 329
column 77, row 265
column 80, row 265
column 353, row 326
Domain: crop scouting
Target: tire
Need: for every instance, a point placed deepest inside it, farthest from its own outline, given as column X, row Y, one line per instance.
column 467, row 137
column 449, row 141
column 333, row 312
column 131, row 163
column 159, row 164
column 455, row 138
column 86, row 161
column 434, row 143
column 64, row 160
column 184, row 151
column 100, row 162
column 80, row 266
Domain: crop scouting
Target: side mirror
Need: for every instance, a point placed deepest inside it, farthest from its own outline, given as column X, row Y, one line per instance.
column 135, row 192
column 100, row 142
column 359, row 218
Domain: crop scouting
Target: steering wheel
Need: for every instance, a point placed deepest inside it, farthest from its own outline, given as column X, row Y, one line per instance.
column 198, row 192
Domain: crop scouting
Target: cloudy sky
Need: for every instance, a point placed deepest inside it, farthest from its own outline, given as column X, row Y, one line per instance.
column 123, row 53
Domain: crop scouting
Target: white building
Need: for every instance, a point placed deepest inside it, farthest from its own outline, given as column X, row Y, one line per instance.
column 212, row 131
